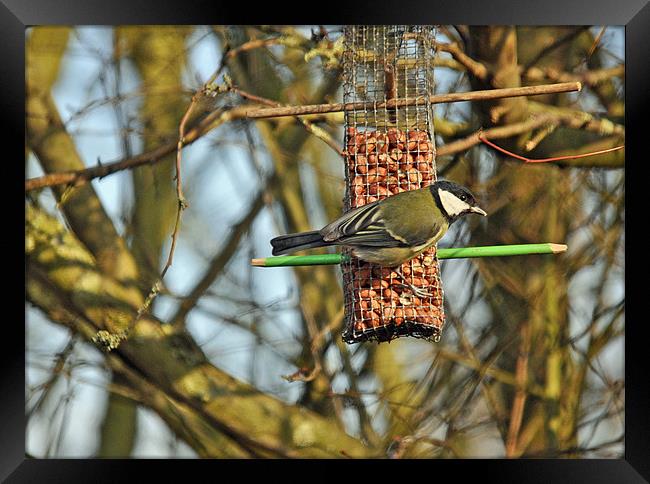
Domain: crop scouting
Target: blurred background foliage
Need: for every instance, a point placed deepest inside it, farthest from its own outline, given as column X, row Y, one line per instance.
column 235, row 361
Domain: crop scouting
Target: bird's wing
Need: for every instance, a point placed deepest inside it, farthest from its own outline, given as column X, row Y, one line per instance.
column 421, row 224
column 361, row 226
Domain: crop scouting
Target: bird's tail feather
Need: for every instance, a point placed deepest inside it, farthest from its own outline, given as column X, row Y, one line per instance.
column 293, row 242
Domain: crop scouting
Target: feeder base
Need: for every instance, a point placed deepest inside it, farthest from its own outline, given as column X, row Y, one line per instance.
column 391, row 332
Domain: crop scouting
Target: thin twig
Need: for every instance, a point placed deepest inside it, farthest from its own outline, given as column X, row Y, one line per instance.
column 540, row 136
column 482, row 137
column 493, row 133
column 594, row 46
column 558, row 43
column 421, row 100
column 304, row 374
column 80, row 177
column 476, row 68
column 317, row 341
column 218, row 263
column 56, row 370
column 309, row 126
column 590, row 78
column 521, row 377
column 182, row 205
column 229, row 54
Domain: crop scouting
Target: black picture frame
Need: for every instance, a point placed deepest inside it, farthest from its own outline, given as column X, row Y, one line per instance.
column 17, row 15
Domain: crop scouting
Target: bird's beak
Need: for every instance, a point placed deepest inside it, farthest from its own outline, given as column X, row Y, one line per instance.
column 478, row 210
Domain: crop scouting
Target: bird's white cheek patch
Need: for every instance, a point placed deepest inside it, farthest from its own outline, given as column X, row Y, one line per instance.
column 451, row 203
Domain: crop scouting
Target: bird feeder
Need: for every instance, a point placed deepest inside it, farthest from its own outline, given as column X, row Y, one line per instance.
column 389, row 148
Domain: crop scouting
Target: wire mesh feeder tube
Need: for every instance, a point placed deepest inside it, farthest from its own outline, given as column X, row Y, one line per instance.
column 388, row 151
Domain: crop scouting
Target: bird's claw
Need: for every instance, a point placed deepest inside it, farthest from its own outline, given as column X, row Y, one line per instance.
column 421, row 293
column 418, row 292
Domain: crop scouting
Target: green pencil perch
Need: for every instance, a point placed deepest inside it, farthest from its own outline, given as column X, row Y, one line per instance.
column 448, row 253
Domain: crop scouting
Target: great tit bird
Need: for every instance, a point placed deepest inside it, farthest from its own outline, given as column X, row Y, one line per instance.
column 393, row 230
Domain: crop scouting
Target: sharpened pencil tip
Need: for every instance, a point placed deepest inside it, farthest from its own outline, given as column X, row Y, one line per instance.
column 557, row 248
column 257, row 262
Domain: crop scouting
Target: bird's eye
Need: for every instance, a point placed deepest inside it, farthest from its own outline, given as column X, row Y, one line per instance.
column 463, row 198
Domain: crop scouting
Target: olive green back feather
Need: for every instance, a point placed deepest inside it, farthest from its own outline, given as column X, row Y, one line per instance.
column 417, row 215
column 383, row 223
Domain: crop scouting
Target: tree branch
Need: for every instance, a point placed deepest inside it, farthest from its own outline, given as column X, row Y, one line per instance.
column 167, row 367
column 590, row 78
column 474, row 67
column 220, row 260
column 217, row 118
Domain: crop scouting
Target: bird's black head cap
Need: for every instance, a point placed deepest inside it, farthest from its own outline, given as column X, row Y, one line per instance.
column 462, row 194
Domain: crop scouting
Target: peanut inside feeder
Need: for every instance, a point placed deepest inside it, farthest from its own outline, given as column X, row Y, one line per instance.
column 389, row 150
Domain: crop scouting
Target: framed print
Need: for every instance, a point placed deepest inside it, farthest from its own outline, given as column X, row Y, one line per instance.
column 370, row 237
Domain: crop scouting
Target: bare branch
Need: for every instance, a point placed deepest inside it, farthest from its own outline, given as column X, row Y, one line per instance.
column 474, row 67
column 219, row 117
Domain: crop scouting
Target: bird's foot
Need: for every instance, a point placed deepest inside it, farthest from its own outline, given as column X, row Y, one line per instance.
column 421, row 293
column 417, row 291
